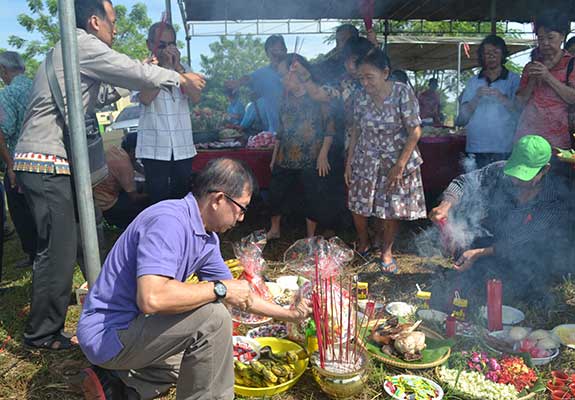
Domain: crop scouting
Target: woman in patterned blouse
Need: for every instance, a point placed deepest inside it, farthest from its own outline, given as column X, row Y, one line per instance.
column 382, row 168
column 300, row 156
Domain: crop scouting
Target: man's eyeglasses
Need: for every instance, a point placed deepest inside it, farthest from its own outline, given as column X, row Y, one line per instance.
column 243, row 209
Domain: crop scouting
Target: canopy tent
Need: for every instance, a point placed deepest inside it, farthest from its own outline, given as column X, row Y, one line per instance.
column 431, row 10
column 431, row 53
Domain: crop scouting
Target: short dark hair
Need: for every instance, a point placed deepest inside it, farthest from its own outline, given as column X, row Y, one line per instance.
column 570, row 42
column 348, row 28
column 377, row 58
column 86, row 9
column 496, row 41
column 399, row 75
column 552, row 21
column 224, row 175
column 356, row 47
column 130, row 141
column 273, row 39
column 156, row 26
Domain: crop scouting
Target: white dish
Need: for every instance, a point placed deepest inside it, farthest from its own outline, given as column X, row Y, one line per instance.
column 510, row 315
column 432, row 315
column 363, row 303
column 415, row 378
column 545, row 360
column 566, row 334
column 399, row 309
column 274, row 289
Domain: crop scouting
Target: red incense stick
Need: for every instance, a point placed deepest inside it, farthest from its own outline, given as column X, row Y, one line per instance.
column 349, row 293
column 340, row 317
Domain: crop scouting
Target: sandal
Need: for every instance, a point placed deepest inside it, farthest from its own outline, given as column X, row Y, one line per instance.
column 365, row 254
column 389, row 268
column 56, row 343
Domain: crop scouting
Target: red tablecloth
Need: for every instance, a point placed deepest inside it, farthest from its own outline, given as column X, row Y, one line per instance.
column 258, row 160
column 441, row 160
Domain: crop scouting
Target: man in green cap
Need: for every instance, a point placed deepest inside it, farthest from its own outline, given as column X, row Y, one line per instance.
column 507, row 218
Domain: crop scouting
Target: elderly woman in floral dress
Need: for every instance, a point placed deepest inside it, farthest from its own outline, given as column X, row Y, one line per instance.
column 382, row 168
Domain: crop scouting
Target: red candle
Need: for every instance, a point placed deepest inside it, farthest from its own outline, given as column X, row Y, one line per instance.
column 450, row 327
column 494, row 305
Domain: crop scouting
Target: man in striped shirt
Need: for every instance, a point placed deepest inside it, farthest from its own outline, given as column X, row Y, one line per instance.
column 522, row 211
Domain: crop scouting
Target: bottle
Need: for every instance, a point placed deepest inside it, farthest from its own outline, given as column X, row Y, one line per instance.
column 494, row 305
column 424, row 298
column 311, row 343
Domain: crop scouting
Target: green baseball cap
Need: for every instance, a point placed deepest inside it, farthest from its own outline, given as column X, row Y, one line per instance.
column 529, row 155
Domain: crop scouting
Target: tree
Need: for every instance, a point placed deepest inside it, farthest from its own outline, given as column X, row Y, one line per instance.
column 231, row 59
column 42, row 20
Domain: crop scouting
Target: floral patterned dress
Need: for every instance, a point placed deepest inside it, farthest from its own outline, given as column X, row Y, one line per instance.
column 382, row 135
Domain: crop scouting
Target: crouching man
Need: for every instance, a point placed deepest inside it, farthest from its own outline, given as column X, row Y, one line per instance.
column 143, row 327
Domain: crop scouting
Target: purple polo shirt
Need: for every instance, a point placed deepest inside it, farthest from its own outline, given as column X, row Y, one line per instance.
column 166, row 239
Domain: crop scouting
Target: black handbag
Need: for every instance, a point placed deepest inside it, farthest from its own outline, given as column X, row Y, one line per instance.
column 96, row 154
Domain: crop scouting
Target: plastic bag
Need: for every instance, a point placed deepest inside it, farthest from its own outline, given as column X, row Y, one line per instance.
column 330, row 255
column 249, row 251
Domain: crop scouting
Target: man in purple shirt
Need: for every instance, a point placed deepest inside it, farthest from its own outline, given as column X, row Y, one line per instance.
column 143, row 327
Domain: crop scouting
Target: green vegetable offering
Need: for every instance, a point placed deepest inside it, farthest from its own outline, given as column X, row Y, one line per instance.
column 411, row 387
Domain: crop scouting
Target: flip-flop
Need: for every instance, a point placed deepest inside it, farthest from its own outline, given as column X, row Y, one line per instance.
column 365, row 254
column 389, row 268
column 58, row 342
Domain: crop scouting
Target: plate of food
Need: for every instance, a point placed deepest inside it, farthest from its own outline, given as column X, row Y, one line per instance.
column 407, row 345
column 412, row 387
column 271, row 330
column 566, row 334
column 229, row 135
column 542, row 345
column 249, row 319
column 432, row 316
column 510, row 315
column 246, row 349
column 566, row 155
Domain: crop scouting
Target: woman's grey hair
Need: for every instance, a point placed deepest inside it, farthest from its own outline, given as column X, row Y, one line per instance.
column 226, row 175
column 12, row 61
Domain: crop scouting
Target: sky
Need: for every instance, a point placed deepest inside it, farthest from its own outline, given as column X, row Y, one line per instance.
column 312, row 45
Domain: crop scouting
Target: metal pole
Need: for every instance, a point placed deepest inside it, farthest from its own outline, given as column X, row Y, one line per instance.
column 79, row 144
column 189, row 49
column 458, row 76
column 169, row 11
column 493, row 17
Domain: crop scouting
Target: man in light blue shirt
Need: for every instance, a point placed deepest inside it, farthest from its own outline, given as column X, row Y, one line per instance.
column 488, row 105
column 266, row 82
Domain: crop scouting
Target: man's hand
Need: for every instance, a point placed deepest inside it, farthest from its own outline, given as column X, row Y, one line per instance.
column 11, row 177
column 468, row 258
column 172, row 55
column 151, row 60
column 440, row 212
column 239, row 294
column 192, row 84
column 301, row 311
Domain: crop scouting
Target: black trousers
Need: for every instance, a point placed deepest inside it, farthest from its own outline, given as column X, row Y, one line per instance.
column 123, row 212
column 22, row 218
column 167, row 179
column 2, row 218
column 50, row 198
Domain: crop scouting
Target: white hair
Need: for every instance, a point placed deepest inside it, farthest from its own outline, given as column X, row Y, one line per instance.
column 12, row 61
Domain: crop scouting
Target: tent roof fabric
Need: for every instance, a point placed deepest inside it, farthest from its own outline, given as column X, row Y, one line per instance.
column 430, row 53
column 432, row 10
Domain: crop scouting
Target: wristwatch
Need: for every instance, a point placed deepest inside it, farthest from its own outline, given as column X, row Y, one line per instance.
column 220, row 290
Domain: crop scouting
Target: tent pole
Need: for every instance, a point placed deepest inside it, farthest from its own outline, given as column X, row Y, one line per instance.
column 189, row 49
column 493, row 17
column 169, row 11
column 79, row 145
column 458, row 76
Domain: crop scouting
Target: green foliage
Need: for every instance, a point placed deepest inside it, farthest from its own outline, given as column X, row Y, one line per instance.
column 42, row 20
column 231, row 58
